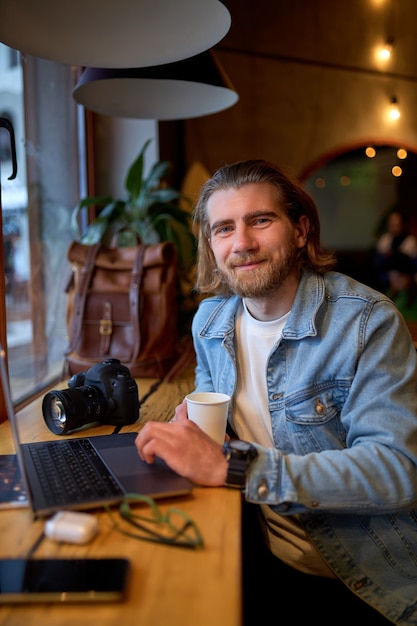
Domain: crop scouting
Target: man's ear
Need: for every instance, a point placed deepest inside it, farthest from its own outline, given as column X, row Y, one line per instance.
column 302, row 229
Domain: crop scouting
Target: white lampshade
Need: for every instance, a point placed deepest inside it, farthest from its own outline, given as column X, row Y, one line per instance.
column 185, row 89
column 113, row 33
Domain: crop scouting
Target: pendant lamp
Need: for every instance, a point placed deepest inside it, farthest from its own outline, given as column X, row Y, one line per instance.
column 189, row 88
column 113, row 33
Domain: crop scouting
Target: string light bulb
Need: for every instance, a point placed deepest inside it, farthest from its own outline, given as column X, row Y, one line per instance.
column 394, row 111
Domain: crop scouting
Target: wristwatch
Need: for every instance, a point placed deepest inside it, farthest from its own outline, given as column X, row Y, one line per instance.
column 239, row 455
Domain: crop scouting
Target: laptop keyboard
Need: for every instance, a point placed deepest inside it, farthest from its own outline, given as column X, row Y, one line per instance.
column 71, row 471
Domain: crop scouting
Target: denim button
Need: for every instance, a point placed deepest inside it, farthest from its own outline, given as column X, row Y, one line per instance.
column 263, row 491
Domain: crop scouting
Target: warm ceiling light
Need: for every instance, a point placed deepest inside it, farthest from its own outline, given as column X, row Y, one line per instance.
column 396, row 171
column 386, row 50
column 370, row 152
column 394, row 111
column 182, row 90
column 401, row 153
column 106, row 33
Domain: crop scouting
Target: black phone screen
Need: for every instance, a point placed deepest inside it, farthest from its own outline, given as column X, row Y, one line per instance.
column 62, row 580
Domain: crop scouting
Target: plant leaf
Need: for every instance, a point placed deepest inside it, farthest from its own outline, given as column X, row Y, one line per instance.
column 157, row 171
column 94, row 233
column 134, row 179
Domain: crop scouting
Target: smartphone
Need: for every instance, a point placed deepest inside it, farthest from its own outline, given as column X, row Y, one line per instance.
column 63, row 580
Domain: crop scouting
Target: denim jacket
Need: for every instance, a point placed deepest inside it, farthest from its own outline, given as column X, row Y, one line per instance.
column 342, row 392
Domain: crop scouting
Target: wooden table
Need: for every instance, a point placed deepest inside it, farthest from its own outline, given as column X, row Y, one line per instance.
column 169, row 586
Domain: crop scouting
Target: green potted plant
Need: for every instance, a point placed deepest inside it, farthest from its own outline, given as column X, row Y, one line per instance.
column 152, row 211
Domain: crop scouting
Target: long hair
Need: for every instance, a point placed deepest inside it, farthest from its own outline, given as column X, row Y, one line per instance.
column 292, row 199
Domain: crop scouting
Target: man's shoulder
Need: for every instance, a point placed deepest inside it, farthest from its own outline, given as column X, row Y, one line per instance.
column 343, row 284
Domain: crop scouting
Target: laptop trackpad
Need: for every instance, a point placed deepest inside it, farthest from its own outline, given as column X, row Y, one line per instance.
column 136, row 476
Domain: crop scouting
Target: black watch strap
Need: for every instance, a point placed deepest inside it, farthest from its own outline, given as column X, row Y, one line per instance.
column 239, row 455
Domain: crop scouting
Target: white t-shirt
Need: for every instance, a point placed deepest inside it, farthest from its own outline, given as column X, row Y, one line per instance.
column 255, row 340
column 252, row 422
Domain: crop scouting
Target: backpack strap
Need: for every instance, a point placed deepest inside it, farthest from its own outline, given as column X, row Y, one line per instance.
column 135, row 301
column 81, row 295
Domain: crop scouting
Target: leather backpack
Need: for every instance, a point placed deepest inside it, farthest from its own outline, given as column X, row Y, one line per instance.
column 122, row 302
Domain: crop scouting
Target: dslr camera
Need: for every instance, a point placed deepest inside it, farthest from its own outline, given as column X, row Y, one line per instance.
column 106, row 394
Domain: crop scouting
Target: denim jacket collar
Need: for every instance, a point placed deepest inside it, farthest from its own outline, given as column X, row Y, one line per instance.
column 310, row 295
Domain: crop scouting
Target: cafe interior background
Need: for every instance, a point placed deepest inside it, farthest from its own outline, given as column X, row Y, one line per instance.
column 306, row 87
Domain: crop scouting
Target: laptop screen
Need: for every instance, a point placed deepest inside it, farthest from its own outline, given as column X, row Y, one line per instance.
column 11, row 416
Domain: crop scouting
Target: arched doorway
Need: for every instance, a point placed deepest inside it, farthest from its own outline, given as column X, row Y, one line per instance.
column 355, row 190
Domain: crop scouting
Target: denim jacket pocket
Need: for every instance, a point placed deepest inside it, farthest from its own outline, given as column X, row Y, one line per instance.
column 313, row 417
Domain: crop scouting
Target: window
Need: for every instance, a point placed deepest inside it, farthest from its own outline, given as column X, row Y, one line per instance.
column 36, row 95
column 13, row 58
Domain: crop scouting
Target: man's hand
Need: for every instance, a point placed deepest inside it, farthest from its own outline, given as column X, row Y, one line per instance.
column 185, row 448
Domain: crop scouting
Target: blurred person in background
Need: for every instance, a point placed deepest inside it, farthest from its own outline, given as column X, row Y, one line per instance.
column 397, row 239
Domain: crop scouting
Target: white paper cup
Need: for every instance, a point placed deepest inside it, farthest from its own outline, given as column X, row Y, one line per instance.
column 208, row 410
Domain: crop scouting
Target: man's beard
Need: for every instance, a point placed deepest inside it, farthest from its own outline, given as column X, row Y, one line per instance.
column 261, row 281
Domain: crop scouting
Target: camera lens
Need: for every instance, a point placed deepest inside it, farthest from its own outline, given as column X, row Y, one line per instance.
column 69, row 409
column 58, row 413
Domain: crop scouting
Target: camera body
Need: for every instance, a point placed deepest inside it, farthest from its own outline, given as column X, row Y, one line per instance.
column 106, row 394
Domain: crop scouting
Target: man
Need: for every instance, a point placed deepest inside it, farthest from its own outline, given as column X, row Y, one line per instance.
column 397, row 239
column 323, row 377
column 402, row 285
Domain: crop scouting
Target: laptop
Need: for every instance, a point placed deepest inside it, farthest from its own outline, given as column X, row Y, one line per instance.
column 110, row 468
